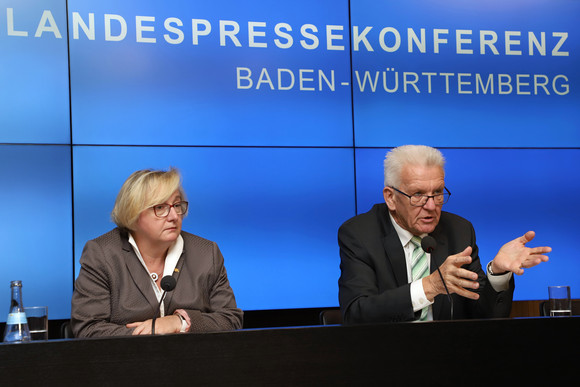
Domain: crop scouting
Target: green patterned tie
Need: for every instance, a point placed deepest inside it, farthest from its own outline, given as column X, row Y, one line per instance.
column 419, row 268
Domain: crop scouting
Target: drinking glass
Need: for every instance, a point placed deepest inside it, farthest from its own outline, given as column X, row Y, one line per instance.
column 560, row 303
column 37, row 317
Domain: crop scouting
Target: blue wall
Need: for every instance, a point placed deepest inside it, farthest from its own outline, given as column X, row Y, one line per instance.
column 279, row 115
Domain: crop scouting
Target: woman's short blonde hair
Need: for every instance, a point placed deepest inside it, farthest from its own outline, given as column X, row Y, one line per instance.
column 142, row 190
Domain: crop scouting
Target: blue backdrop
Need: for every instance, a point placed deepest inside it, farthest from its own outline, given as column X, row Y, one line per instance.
column 279, row 115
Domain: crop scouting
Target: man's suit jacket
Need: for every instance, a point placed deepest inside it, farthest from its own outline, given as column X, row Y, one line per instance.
column 113, row 288
column 373, row 286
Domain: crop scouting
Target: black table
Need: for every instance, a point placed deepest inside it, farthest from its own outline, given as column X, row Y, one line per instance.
column 463, row 353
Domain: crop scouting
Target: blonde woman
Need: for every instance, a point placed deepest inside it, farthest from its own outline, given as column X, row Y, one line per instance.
column 118, row 290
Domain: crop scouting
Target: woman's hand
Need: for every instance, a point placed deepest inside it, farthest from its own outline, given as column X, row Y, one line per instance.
column 163, row 326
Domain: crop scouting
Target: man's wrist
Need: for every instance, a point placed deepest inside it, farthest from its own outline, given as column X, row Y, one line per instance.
column 492, row 272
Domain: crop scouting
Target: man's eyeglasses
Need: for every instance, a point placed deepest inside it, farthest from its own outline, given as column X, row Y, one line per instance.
column 419, row 200
column 162, row 210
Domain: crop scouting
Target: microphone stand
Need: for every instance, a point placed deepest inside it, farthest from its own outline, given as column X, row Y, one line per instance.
column 157, row 311
column 428, row 244
column 167, row 284
column 447, row 291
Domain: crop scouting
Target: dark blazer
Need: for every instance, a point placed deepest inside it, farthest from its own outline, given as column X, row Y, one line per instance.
column 113, row 288
column 373, row 285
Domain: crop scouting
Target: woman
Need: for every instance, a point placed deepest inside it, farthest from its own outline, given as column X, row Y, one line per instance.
column 118, row 289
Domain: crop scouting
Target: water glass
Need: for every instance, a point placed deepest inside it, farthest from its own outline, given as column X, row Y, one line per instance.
column 560, row 303
column 37, row 317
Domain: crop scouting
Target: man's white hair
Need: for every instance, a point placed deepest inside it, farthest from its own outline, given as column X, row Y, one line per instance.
column 403, row 155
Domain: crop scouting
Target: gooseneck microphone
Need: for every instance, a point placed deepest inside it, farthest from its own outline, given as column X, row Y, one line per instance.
column 428, row 244
column 167, row 284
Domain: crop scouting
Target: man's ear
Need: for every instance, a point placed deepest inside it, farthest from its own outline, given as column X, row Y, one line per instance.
column 389, row 196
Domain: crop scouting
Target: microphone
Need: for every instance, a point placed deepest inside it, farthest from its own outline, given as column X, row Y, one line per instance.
column 167, row 284
column 428, row 244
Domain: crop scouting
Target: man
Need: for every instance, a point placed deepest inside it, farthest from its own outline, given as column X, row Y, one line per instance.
column 386, row 277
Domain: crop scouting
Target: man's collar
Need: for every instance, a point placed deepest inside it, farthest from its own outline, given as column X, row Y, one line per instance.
column 404, row 235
